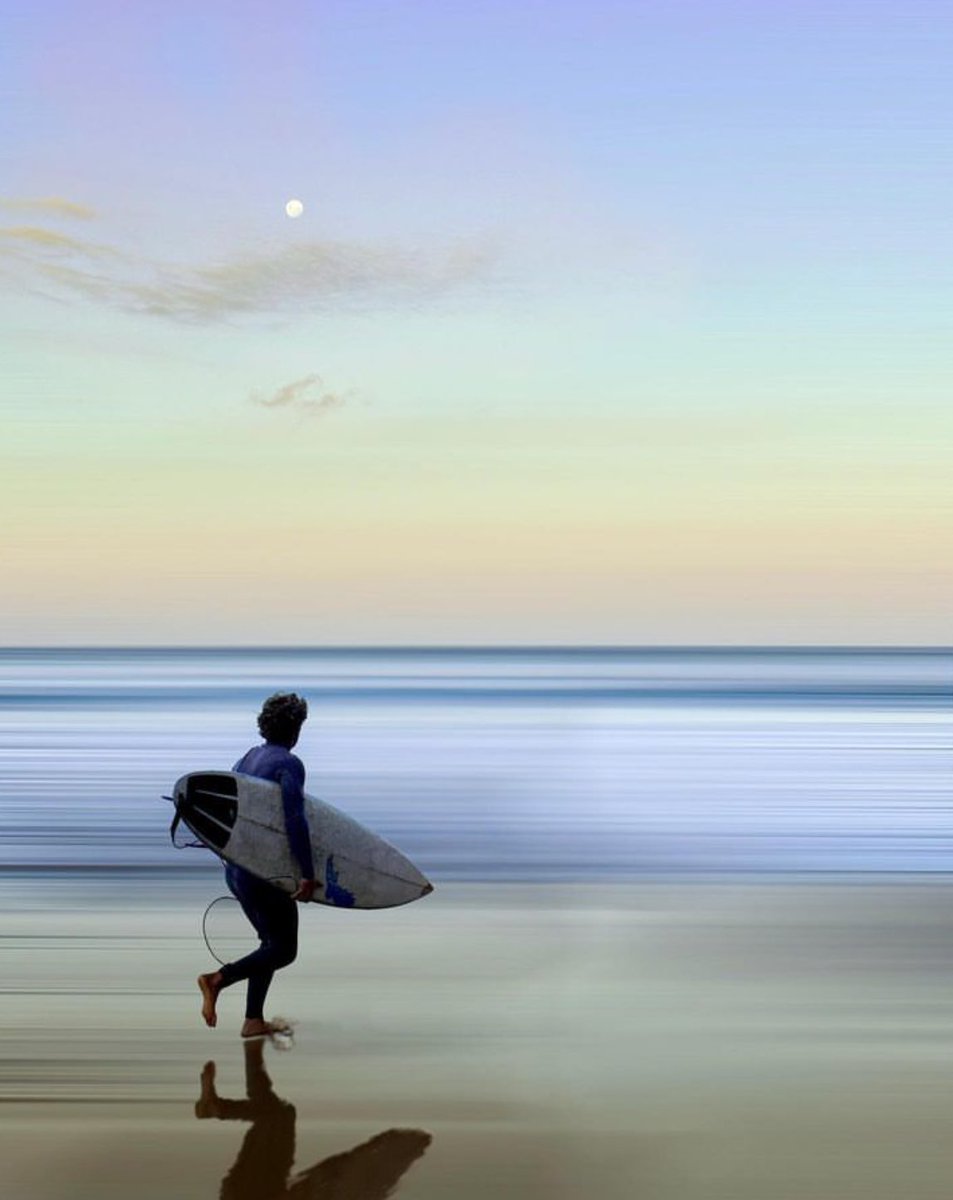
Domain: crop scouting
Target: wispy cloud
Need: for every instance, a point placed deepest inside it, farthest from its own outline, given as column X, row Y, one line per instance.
column 317, row 275
column 314, row 276
column 35, row 235
column 307, row 397
column 54, row 206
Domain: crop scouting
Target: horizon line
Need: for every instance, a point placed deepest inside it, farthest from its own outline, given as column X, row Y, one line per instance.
column 478, row 647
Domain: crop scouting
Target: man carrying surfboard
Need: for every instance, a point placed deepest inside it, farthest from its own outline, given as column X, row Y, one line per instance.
column 272, row 912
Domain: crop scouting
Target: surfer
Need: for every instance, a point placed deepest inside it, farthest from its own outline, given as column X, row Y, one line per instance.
column 272, row 912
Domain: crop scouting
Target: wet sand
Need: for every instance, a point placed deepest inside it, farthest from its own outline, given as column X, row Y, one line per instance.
column 753, row 1040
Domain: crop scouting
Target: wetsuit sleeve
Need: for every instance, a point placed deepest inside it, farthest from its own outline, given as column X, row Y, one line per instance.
column 291, row 778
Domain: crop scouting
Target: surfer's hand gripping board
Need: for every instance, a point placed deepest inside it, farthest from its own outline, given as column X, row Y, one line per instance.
column 306, row 890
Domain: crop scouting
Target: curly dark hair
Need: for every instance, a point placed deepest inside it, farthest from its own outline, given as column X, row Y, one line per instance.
column 281, row 717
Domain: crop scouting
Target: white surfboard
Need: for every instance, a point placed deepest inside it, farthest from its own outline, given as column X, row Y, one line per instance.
column 241, row 819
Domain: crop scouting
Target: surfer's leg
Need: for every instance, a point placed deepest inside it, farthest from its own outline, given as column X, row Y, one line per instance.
column 274, row 916
column 278, row 928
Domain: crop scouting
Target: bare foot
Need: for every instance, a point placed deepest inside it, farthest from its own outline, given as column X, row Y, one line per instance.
column 253, row 1029
column 210, row 985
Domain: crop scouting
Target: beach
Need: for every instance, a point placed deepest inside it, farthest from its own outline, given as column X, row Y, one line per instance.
column 691, row 933
column 739, row 1039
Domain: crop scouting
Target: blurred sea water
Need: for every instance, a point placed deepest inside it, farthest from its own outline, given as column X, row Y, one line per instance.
column 492, row 764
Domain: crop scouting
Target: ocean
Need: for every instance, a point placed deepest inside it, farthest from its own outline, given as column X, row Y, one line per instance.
column 500, row 764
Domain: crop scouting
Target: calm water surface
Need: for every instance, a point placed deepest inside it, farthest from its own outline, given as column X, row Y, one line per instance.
column 487, row 764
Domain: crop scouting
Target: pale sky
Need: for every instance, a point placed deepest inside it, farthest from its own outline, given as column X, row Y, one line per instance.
column 603, row 323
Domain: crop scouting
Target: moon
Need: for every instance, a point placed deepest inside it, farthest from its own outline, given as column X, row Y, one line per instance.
column 294, row 208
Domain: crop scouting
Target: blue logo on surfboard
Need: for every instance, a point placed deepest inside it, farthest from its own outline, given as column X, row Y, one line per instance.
column 332, row 889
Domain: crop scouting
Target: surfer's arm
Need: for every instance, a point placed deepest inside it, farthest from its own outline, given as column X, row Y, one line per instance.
column 296, row 823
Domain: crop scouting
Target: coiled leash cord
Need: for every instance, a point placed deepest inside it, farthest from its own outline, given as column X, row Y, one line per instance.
column 217, row 900
column 234, row 900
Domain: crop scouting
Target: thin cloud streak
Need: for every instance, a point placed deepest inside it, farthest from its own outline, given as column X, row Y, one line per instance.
column 35, row 235
column 49, row 206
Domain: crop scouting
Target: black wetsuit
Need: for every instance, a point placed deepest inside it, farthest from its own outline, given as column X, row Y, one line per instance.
column 271, row 911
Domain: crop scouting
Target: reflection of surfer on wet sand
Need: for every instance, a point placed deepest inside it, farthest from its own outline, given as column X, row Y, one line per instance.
column 261, row 1171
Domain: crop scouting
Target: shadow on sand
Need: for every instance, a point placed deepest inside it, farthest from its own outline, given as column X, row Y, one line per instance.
column 262, row 1170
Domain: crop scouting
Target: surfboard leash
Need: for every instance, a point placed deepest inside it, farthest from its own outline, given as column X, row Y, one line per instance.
column 208, row 909
column 211, row 904
column 176, row 821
